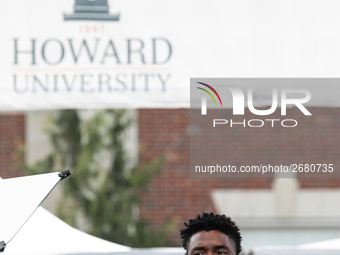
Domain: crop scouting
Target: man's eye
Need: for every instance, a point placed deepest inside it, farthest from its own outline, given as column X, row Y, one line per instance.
column 222, row 252
column 198, row 253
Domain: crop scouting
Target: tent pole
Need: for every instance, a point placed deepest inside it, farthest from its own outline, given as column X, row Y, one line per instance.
column 2, row 246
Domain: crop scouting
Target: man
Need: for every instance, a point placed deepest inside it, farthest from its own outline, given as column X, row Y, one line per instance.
column 211, row 234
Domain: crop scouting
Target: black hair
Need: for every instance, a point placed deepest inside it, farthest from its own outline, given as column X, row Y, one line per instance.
column 211, row 221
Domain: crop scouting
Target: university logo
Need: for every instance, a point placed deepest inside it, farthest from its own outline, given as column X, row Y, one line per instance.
column 91, row 10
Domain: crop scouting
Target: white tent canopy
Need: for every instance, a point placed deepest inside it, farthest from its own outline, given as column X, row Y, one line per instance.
column 19, row 198
column 333, row 244
column 330, row 247
column 43, row 233
column 46, row 234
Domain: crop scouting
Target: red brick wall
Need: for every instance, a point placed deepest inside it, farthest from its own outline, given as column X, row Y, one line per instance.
column 12, row 135
column 174, row 194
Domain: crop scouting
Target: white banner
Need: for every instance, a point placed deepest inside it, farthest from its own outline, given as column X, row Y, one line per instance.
column 59, row 54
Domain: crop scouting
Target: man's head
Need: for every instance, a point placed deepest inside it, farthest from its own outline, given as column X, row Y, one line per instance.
column 211, row 234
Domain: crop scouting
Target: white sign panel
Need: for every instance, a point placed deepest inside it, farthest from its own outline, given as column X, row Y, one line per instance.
column 85, row 54
column 141, row 53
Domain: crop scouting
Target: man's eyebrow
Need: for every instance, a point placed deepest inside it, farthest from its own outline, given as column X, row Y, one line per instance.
column 222, row 246
column 216, row 247
column 198, row 248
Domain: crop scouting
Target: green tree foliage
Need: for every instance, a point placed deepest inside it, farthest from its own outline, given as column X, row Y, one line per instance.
column 104, row 187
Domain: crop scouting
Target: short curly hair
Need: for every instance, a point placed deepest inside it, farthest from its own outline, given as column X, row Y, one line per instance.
column 211, row 221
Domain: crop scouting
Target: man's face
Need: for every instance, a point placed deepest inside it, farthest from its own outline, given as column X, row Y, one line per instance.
column 211, row 243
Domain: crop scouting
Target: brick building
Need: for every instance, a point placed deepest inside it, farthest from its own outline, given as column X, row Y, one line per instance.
column 269, row 211
column 12, row 135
